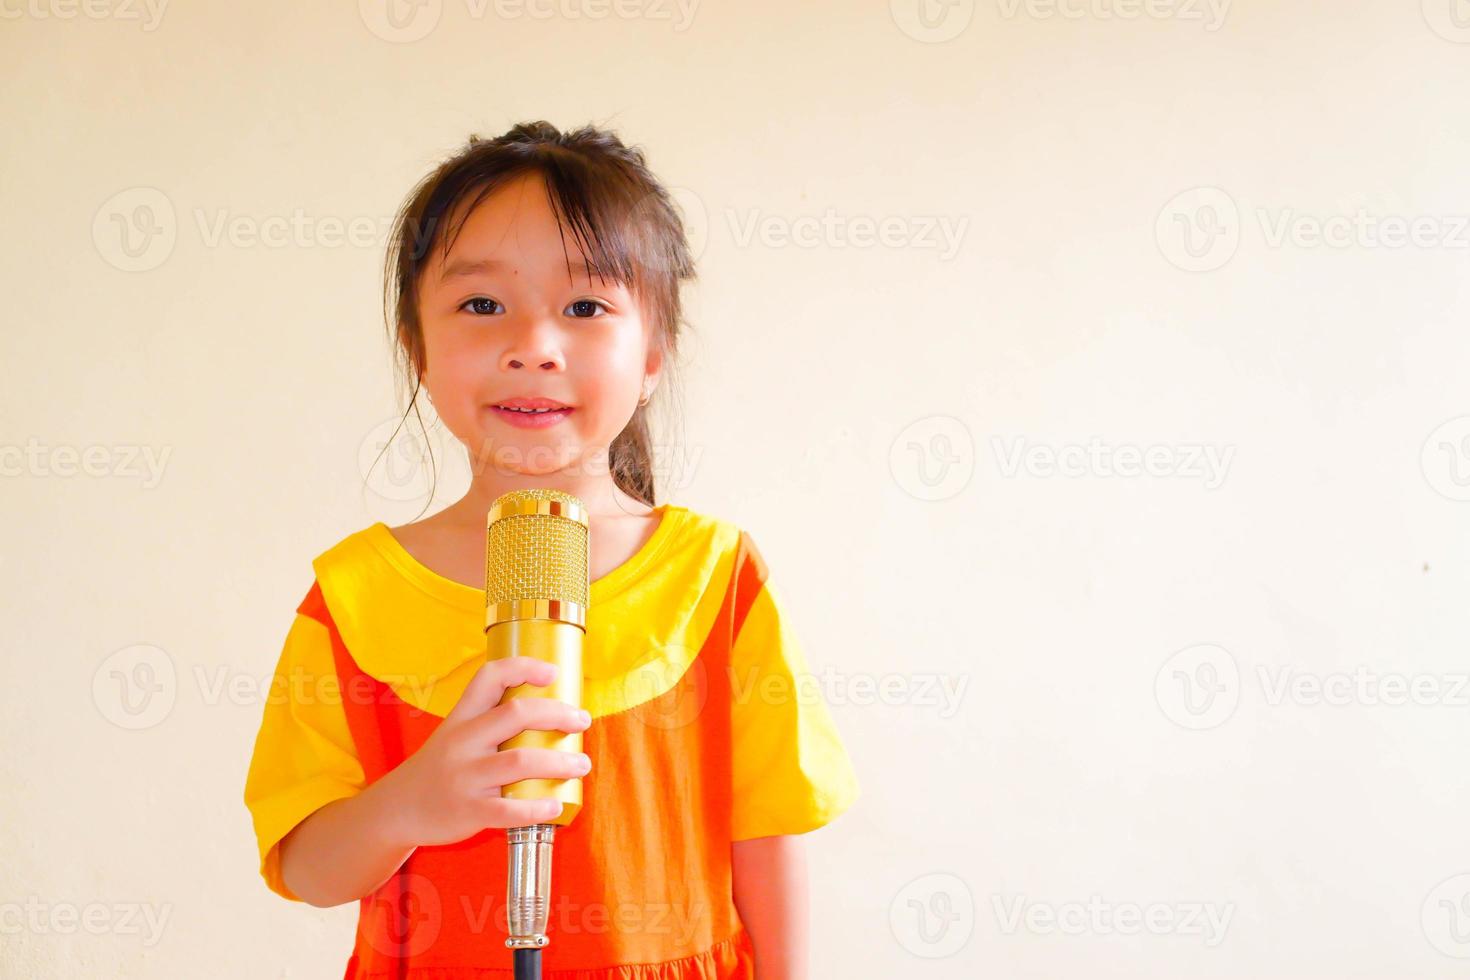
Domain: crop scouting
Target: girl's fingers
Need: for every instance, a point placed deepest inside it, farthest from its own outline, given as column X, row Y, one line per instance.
column 501, row 812
column 490, row 682
column 514, row 765
column 526, row 714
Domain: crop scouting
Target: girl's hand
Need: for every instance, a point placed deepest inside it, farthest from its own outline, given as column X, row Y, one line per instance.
column 450, row 788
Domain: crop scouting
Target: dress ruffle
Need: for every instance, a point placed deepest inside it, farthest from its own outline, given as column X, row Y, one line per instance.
column 730, row 959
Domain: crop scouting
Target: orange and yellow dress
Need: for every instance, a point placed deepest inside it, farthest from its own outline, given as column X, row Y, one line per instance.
column 706, row 730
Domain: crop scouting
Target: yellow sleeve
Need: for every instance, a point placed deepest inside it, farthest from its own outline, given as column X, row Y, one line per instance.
column 304, row 757
column 791, row 773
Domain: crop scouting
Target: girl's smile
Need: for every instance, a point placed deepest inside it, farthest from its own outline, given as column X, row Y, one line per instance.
column 543, row 418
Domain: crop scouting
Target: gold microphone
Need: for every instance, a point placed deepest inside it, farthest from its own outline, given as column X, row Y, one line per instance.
column 536, row 593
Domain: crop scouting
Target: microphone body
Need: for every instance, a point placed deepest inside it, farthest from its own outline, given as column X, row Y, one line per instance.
column 561, row 644
column 536, row 595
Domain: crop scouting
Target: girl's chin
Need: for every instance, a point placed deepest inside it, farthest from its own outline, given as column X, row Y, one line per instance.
column 527, row 457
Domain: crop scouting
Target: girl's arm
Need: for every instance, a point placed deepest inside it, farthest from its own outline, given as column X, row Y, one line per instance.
column 770, row 887
column 348, row 848
column 446, row 791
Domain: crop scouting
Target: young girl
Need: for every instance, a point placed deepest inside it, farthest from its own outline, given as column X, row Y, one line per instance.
column 533, row 283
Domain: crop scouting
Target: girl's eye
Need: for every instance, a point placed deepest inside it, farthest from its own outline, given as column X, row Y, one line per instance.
column 478, row 305
column 583, row 308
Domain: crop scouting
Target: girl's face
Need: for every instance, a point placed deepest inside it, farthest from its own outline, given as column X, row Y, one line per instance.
column 502, row 320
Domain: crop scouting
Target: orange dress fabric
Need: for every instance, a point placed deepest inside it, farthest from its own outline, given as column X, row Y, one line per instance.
column 642, row 880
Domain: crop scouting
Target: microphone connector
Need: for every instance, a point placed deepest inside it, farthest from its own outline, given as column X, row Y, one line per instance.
column 528, row 885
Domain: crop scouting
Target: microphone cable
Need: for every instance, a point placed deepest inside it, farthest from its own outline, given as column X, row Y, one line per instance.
column 528, row 964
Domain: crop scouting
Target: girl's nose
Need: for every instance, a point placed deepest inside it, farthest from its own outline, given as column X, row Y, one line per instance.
column 550, row 364
column 535, row 346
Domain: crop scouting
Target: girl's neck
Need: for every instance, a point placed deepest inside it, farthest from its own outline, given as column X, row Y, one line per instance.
column 603, row 497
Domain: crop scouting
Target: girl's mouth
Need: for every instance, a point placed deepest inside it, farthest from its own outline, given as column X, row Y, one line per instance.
column 531, row 418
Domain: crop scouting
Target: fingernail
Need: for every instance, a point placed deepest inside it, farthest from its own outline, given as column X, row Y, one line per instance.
column 584, row 763
column 585, row 716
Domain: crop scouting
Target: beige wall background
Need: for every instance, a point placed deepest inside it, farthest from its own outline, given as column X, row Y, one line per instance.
column 1092, row 374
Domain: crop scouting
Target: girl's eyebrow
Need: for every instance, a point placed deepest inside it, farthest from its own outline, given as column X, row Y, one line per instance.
column 470, row 267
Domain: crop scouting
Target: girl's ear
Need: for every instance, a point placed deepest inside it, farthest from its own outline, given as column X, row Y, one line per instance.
column 652, row 371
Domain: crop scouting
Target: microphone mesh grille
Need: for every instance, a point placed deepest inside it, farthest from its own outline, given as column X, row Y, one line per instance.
column 536, row 556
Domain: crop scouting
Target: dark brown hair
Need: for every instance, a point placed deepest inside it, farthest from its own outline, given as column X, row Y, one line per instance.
column 620, row 217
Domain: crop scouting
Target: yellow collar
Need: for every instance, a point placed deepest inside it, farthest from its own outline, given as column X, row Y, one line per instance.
column 423, row 634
